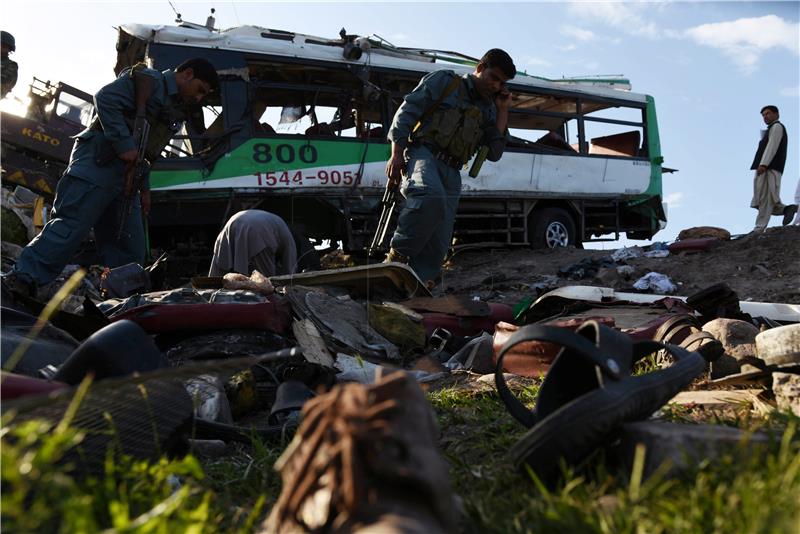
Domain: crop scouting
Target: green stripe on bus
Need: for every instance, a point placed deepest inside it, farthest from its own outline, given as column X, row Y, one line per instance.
column 274, row 154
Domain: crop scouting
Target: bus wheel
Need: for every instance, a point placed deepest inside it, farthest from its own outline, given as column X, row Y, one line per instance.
column 552, row 228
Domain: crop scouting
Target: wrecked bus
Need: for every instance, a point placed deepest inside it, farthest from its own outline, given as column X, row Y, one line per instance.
column 299, row 129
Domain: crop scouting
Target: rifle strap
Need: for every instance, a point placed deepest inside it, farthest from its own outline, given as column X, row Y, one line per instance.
column 142, row 87
column 454, row 83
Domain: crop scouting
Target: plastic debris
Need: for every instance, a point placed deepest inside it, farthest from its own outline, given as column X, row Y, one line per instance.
column 627, row 253
column 657, row 283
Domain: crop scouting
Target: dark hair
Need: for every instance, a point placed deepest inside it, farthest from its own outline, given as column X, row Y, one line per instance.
column 202, row 69
column 773, row 109
column 500, row 58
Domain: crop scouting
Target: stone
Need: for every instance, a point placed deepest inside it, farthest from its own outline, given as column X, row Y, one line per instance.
column 779, row 345
column 738, row 338
column 608, row 277
column 699, row 232
column 786, row 387
column 680, row 446
column 715, row 398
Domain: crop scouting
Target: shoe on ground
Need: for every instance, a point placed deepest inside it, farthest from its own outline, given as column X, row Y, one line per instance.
column 365, row 459
column 393, row 256
column 789, row 213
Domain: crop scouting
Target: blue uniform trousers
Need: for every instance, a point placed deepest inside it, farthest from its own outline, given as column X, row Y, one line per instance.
column 425, row 226
column 80, row 205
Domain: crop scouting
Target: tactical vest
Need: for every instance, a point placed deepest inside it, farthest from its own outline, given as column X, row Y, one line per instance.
column 457, row 130
column 163, row 125
column 779, row 160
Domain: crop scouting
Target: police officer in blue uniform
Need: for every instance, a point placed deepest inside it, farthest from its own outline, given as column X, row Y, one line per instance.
column 436, row 130
column 90, row 193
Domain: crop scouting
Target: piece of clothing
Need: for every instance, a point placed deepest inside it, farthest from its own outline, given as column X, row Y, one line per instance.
column 90, row 194
column 425, row 225
column 254, row 239
column 8, row 76
column 771, row 151
column 430, row 88
column 766, row 197
column 431, row 186
column 80, row 205
column 94, row 155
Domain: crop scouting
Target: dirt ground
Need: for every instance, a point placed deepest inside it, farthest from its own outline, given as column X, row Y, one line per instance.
column 763, row 268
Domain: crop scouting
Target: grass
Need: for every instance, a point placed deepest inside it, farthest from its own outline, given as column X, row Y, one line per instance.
column 736, row 492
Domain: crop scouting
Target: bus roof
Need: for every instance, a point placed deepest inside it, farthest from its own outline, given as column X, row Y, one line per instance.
column 377, row 53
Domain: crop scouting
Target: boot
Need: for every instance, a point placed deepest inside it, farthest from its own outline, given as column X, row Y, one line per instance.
column 393, row 256
column 365, row 460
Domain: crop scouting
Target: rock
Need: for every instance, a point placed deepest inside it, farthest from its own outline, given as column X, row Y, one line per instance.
column 738, row 338
column 626, row 271
column 779, row 345
column 786, row 387
column 608, row 277
column 680, row 445
column 699, row 232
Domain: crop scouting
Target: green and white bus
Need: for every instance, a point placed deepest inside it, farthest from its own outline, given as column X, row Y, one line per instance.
column 299, row 129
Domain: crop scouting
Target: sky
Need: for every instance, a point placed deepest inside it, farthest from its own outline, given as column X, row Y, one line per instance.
column 711, row 66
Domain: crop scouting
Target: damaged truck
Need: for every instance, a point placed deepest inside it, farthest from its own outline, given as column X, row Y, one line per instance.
column 299, row 128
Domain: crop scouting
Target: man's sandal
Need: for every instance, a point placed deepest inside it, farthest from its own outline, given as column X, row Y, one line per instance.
column 589, row 393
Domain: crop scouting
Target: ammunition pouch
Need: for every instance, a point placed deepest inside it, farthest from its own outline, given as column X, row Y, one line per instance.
column 455, row 131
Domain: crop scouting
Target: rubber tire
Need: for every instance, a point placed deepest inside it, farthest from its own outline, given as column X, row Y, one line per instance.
column 779, row 345
column 544, row 218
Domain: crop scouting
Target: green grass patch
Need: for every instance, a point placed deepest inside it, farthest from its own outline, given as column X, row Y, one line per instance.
column 737, row 492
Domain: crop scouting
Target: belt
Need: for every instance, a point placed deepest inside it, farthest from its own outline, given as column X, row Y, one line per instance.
column 450, row 161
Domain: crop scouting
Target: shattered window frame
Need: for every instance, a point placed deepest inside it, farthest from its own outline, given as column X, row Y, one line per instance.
column 551, row 110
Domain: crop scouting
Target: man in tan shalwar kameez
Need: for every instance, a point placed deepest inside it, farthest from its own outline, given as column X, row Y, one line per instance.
column 769, row 163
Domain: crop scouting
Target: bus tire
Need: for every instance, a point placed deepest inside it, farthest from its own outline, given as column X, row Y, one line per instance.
column 552, row 228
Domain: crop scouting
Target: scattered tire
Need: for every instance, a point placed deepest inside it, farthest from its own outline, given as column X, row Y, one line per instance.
column 779, row 345
column 552, row 228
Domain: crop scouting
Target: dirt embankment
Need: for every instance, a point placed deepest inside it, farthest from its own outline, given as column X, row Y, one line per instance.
column 763, row 267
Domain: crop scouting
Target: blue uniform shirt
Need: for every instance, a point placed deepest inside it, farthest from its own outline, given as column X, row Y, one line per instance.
column 115, row 103
column 426, row 94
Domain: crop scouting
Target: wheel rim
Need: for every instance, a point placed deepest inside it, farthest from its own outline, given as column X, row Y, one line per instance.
column 556, row 235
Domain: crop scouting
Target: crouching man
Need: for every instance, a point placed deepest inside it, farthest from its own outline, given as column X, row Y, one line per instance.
column 436, row 130
column 254, row 240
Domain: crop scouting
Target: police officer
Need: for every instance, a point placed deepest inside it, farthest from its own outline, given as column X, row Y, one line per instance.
column 8, row 67
column 91, row 192
column 436, row 130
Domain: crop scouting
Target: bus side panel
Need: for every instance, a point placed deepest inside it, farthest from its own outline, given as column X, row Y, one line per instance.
column 514, row 172
column 273, row 163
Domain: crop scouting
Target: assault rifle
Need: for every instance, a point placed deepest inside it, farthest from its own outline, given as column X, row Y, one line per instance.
column 136, row 172
column 388, row 203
